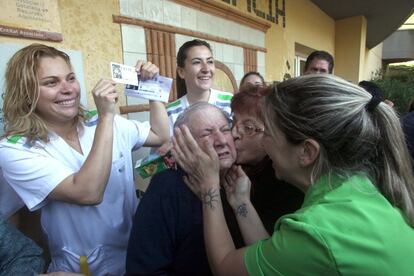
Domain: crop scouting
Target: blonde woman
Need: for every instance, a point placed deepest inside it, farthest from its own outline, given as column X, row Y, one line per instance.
column 73, row 165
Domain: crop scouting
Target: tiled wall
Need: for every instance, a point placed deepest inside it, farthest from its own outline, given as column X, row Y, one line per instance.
column 170, row 13
column 261, row 64
column 134, row 48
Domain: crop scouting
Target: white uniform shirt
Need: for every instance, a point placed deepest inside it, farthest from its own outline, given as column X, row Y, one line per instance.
column 99, row 232
column 217, row 98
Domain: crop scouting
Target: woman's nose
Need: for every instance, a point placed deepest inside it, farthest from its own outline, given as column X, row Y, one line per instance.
column 66, row 86
column 235, row 133
column 205, row 67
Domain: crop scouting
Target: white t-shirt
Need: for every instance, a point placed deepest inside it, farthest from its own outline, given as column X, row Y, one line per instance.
column 217, row 98
column 99, row 232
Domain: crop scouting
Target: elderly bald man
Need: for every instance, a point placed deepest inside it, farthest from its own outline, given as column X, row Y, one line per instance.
column 167, row 235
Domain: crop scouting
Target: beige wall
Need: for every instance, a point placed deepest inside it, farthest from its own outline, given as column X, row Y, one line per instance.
column 373, row 62
column 87, row 27
column 305, row 24
column 350, row 48
column 309, row 26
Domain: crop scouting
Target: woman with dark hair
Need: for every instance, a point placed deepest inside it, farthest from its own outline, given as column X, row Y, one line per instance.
column 251, row 78
column 345, row 149
column 195, row 75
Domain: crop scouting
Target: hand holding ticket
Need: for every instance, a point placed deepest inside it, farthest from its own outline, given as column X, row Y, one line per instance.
column 157, row 88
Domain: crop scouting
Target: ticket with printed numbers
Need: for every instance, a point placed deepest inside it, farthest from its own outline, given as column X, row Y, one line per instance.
column 157, row 89
column 124, row 74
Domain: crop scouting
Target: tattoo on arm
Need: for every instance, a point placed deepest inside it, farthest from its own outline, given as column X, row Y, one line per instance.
column 241, row 210
column 210, row 197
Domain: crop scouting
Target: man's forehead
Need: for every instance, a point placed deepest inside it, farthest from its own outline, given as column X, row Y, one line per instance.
column 320, row 61
column 207, row 118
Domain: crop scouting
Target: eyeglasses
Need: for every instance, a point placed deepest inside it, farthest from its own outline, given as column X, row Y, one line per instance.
column 247, row 129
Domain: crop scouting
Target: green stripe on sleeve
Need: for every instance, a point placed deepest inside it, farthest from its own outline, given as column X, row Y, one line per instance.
column 224, row 97
column 175, row 103
column 13, row 139
column 90, row 114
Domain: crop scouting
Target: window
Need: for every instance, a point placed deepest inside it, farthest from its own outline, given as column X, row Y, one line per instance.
column 299, row 65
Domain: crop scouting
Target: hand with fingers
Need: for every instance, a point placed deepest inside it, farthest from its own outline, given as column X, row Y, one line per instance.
column 105, row 97
column 237, row 186
column 164, row 149
column 147, row 70
column 200, row 162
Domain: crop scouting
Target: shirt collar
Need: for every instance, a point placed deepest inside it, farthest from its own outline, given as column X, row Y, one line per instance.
column 330, row 182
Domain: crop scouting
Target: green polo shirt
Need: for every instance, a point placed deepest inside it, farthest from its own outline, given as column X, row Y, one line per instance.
column 345, row 227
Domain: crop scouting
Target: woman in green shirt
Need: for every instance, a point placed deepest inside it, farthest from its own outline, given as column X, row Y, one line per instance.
column 345, row 149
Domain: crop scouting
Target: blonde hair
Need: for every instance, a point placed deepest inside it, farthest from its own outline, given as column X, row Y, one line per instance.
column 352, row 138
column 22, row 92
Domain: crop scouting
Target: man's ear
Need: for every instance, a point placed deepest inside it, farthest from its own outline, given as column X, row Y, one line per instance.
column 309, row 153
column 180, row 72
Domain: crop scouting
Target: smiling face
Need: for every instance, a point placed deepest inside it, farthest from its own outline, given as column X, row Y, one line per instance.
column 210, row 124
column 249, row 147
column 198, row 70
column 59, row 91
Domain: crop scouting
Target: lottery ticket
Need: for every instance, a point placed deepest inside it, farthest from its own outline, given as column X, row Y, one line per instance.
column 124, row 74
column 157, row 89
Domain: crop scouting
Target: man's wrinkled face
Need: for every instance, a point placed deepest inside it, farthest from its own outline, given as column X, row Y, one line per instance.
column 210, row 124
